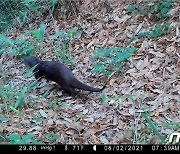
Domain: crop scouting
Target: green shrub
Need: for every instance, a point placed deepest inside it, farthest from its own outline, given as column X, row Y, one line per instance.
column 16, row 12
column 111, row 60
column 159, row 30
column 159, row 8
column 25, row 139
column 24, row 47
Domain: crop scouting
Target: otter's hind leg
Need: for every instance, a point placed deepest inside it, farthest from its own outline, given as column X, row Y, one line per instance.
column 70, row 91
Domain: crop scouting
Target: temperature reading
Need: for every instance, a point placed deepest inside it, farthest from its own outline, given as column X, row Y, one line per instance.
column 78, row 147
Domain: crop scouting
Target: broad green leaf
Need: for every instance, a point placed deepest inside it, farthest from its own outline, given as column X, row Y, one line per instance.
column 99, row 53
column 133, row 38
column 166, row 4
column 6, row 40
column 73, row 32
column 165, row 15
column 132, row 8
column 63, row 104
column 2, row 50
column 123, row 56
column 99, row 67
column 51, row 137
column 36, row 120
column 13, row 52
column 2, row 118
column 27, row 137
column 42, row 32
column 104, row 98
column 142, row 34
column 131, row 50
column 164, row 10
column 61, row 34
column 14, row 137
column 167, row 24
column 36, row 33
column 107, row 52
column 117, row 49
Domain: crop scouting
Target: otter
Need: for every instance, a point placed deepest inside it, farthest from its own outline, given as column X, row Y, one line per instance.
column 59, row 73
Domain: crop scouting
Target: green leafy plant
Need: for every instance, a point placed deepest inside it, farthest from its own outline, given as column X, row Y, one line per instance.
column 153, row 126
column 9, row 10
column 32, row 6
column 24, row 47
column 39, row 33
column 8, row 95
column 25, row 139
column 16, row 12
column 52, row 4
column 18, row 46
column 62, row 46
column 159, row 30
column 111, row 60
column 159, row 8
column 13, row 99
column 51, row 137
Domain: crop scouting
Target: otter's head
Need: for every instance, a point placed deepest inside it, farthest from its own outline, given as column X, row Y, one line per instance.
column 31, row 61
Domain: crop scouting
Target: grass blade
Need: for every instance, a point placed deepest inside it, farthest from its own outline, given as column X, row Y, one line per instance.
column 20, row 100
column 148, row 119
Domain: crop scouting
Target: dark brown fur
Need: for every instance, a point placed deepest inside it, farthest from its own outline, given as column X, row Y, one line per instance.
column 59, row 73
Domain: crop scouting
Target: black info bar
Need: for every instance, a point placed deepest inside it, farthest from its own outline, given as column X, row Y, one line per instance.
column 89, row 148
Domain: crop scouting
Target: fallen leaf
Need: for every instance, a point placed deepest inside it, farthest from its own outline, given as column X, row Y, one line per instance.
column 153, row 140
column 131, row 111
column 122, row 19
column 103, row 140
column 85, row 111
column 145, row 63
column 36, row 128
column 43, row 113
column 121, row 126
column 128, row 134
column 173, row 108
column 170, row 50
column 1, row 129
column 111, row 82
column 90, row 119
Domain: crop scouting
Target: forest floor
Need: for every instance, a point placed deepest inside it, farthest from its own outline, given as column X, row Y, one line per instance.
column 152, row 77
